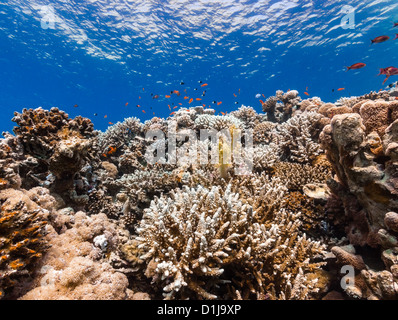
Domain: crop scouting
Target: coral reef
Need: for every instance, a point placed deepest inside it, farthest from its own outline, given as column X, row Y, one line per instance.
column 86, row 215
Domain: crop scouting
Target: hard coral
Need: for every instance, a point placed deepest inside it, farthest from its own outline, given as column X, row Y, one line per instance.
column 215, row 248
column 22, row 229
column 76, row 266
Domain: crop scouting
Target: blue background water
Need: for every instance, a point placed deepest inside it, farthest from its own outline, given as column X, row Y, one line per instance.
column 101, row 54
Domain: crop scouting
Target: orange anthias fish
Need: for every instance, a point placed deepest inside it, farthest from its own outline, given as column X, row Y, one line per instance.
column 75, row 106
column 198, row 99
column 185, row 98
column 112, row 150
column 190, row 100
column 177, row 92
column 204, row 85
column 223, row 113
column 172, row 113
column 235, row 95
column 340, row 89
column 355, row 66
column 218, row 103
column 380, row 39
column 261, row 101
column 126, row 104
column 143, row 111
column 180, row 103
column 169, row 107
column 105, row 116
column 306, row 93
column 175, row 107
column 110, row 122
column 167, row 96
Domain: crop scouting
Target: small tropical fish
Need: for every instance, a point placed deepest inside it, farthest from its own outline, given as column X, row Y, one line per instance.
column 180, row 103
column 236, row 102
column 306, row 93
column 218, row 103
column 198, row 99
column 95, row 114
column 203, row 105
column 139, row 97
column 358, row 65
column 214, row 102
column 306, row 88
column 110, row 122
column 105, row 116
column 223, row 113
column 185, row 98
column 177, row 92
column 258, row 96
column 172, row 113
column 340, row 89
column 169, row 107
column 263, row 95
column 167, row 96
column 235, row 95
column 156, row 96
column 380, row 39
column 261, row 101
column 199, row 81
column 143, row 89
column 175, row 107
column 75, row 106
column 126, row 104
column 204, row 85
column 104, row 155
column 138, row 106
column 182, row 83
column 190, row 100
column 143, row 111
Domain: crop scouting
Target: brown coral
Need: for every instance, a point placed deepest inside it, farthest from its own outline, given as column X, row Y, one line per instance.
column 22, row 228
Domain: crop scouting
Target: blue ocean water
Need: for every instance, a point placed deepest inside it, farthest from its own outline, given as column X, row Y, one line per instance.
column 105, row 57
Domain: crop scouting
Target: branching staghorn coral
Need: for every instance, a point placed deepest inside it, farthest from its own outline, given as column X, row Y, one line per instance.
column 207, row 242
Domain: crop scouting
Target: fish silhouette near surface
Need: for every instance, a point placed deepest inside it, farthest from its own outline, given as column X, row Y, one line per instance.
column 355, row 66
column 380, row 39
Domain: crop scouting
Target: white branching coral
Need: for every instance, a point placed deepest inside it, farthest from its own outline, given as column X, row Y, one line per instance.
column 121, row 133
column 297, row 137
column 218, row 122
column 208, row 242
